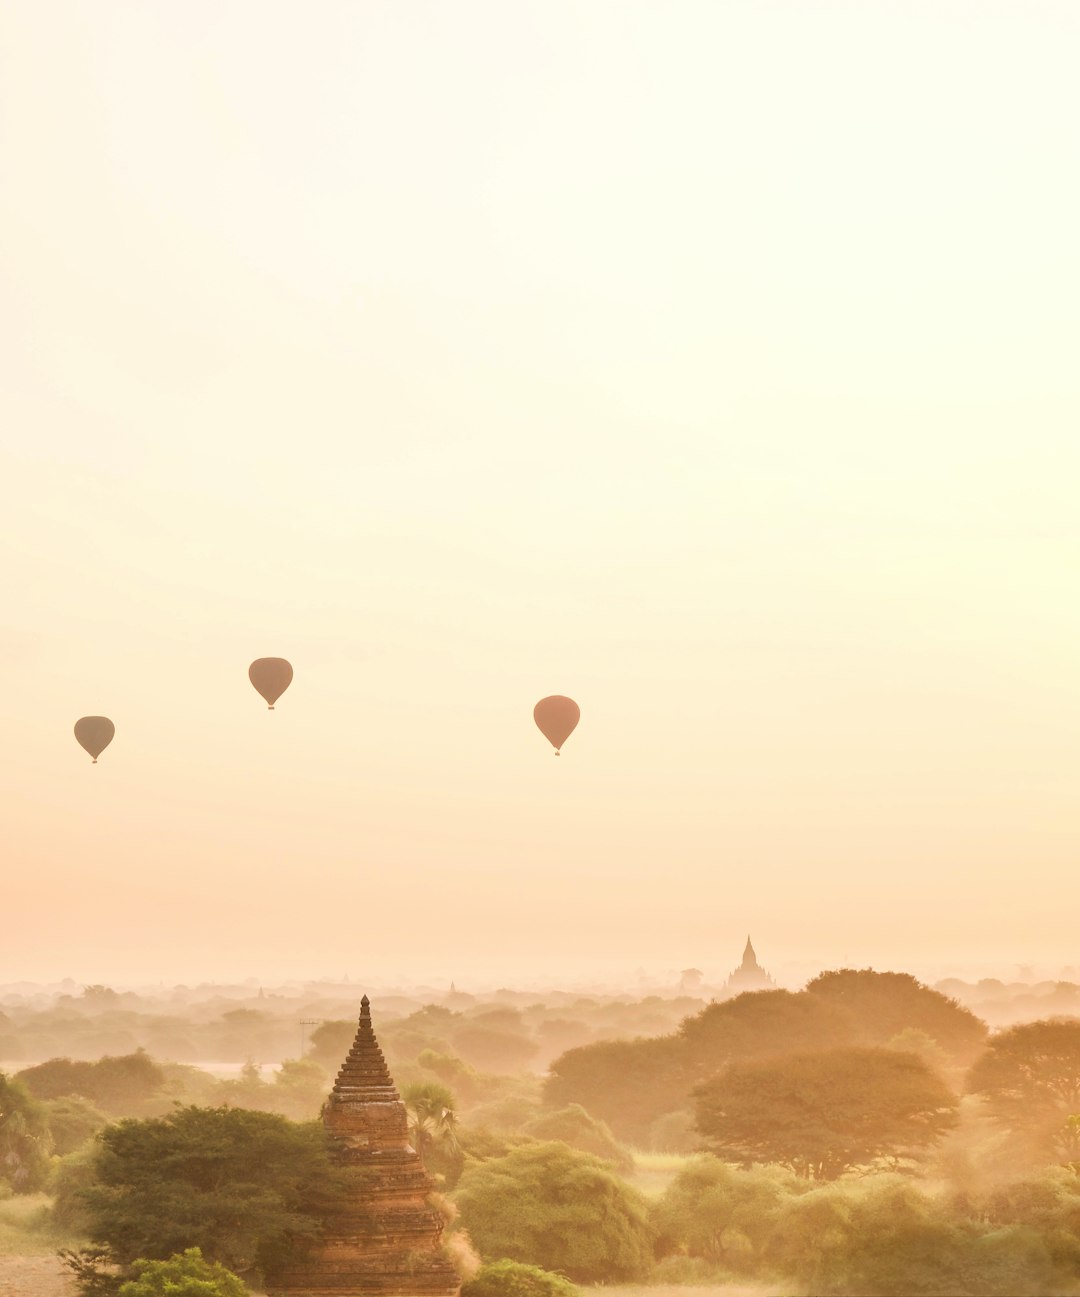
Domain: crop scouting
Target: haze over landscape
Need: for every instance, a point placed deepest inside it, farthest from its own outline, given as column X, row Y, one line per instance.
column 711, row 365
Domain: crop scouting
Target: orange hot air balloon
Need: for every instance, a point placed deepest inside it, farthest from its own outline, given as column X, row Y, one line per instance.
column 94, row 733
column 556, row 716
column 271, row 677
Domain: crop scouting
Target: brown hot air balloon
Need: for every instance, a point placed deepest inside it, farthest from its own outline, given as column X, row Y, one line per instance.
column 94, row 733
column 271, row 677
column 556, row 716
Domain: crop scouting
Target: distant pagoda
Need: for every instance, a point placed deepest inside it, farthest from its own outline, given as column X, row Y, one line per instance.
column 384, row 1240
column 749, row 976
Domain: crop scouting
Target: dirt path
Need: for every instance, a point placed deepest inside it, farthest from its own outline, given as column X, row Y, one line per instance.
column 33, row 1276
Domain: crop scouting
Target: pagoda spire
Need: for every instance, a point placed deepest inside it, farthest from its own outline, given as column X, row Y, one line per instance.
column 749, row 959
column 382, row 1239
column 364, row 1076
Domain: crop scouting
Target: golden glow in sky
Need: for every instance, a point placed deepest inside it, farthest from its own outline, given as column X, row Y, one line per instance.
column 713, row 364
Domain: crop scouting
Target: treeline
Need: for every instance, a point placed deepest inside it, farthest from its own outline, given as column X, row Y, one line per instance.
column 865, row 1135
column 644, row 1089
column 507, row 1032
column 249, row 1189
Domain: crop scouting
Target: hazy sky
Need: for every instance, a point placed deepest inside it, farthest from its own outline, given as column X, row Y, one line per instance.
column 713, row 363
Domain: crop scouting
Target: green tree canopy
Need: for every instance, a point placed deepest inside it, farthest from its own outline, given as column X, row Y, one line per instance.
column 72, row 1122
column 512, row 1279
column 25, row 1142
column 714, row 1211
column 882, row 1005
column 183, row 1275
column 574, row 1126
column 300, row 1089
column 463, row 1079
column 823, row 1113
column 494, row 1048
column 1030, row 1079
column 763, row 1024
column 240, row 1185
column 119, row 1086
column 627, row 1083
column 433, row 1129
column 330, row 1042
column 889, row 1239
column 549, row 1205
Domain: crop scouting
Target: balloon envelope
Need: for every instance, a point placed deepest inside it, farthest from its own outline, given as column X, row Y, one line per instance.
column 271, row 677
column 556, row 716
column 94, row 733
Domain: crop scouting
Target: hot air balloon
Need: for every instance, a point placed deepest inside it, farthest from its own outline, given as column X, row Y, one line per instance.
column 271, row 677
column 556, row 716
column 94, row 733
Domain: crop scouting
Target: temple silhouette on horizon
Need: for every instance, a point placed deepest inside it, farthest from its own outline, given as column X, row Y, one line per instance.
column 385, row 1237
column 749, row 976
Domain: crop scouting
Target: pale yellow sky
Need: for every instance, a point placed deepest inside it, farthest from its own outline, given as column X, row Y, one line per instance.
column 712, row 363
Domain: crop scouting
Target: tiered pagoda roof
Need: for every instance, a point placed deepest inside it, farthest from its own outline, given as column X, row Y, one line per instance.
column 384, row 1239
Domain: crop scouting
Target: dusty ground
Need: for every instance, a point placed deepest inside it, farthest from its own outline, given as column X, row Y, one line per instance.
column 33, row 1276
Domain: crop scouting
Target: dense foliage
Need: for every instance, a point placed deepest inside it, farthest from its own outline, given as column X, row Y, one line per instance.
column 1030, row 1079
column 629, row 1084
column 242, row 1186
column 880, row 1236
column 552, row 1206
column 822, row 1114
column 118, row 1086
column 574, row 1126
column 634, row 1085
column 72, row 1123
column 183, row 1275
column 762, row 1024
column 883, row 1004
column 861, row 1071
column 25, row 1141
column 512, row 1279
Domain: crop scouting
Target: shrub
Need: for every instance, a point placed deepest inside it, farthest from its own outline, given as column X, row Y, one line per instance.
column 185, row 1274
column 549, row 1205
column 513, row 1279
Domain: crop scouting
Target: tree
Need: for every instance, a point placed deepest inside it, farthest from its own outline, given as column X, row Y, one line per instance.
column 883, row 1004
column 821, row 1114
column 549, row 1205
column 627, row 1083
column 25, row 1142
column 512, row 1279
column 454, row 1072
column 300, row 1089
column 72, row 1122
column 494, row 1048
column 433, row 1128
column 57, row 1078
column 713, row 1211
column 243, row 1186
column 1030, row 1079
column 100, row 996
column 119, row 1085
column 762, row 1024
column 185, row 1274
column 330, row 1042
column 888, row 1239
column 575, row 1127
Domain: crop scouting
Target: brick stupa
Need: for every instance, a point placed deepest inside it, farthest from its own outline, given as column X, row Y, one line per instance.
column 384, row 1240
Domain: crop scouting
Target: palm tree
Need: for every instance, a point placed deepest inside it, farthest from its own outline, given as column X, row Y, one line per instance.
column 432, row 1121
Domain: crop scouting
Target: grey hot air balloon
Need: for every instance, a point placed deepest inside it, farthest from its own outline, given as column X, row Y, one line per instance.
column 271, row 677
column 94, row 733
